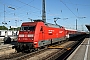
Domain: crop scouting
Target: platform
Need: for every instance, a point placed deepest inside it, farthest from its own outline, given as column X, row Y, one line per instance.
column 82, row 52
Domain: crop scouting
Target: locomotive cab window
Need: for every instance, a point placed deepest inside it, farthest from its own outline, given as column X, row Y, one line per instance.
column 31, row 28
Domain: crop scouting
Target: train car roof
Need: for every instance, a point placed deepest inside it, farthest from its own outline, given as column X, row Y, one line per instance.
column 70, row 29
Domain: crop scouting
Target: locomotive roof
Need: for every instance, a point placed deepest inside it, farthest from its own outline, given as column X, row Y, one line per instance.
column 29, row 23
column 53, row 25
column 47, row 24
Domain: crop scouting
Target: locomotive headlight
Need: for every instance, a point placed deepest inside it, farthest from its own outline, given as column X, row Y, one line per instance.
column 21, row 35
column 31, row 38
column 30, row 35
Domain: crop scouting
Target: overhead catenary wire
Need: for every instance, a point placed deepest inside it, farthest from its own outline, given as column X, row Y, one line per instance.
column 17, row 7
column 77, row 4
column 69, row 9
column 20, row 7
column 27, row 4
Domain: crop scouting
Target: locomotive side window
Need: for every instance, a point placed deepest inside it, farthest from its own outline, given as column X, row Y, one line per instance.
column 41, row 29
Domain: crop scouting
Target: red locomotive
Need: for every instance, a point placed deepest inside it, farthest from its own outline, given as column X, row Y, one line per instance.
column 34, row 35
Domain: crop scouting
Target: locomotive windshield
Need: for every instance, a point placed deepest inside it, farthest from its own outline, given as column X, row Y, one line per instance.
column 31, row 28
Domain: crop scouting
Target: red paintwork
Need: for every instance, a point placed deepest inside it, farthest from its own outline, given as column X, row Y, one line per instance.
column 42, row 32
column 47, row 33
column 69, row 31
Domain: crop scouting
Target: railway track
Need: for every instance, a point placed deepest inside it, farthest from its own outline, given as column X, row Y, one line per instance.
column 69, row 52
column 6, row 49
column 19, row 56
column 5, row 46
column 42, row 54
column 50, row 53
column 68, row 46
column 11, row 55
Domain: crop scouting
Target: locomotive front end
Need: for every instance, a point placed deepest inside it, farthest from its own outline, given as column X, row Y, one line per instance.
column 26, row 37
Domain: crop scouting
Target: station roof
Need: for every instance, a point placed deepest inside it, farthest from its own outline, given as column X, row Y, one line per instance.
column 88, row 27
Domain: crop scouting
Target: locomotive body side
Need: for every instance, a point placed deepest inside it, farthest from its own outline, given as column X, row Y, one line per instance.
column 50, row 35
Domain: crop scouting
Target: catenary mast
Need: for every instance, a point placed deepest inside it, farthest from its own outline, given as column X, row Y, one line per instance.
column 43, row 11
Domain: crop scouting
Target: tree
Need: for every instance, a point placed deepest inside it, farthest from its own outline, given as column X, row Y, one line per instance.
column 3, row 28
column 18, row 28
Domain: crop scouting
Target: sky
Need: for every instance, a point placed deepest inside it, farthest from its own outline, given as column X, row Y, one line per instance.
column 14, row 12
